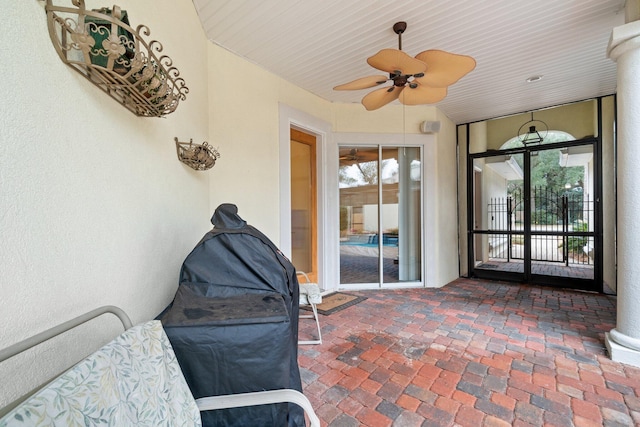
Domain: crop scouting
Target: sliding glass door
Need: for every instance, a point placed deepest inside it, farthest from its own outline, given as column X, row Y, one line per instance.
column 380, row 215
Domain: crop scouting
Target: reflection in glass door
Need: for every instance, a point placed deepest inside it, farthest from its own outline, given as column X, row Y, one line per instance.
column 380, row 215
column 303, row 203
column 534, row 215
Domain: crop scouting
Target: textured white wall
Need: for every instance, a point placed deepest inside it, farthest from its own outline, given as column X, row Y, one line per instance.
column 94, row 206
column 447, row 199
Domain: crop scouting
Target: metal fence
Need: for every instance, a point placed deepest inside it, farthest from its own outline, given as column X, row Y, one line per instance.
column 561, row 226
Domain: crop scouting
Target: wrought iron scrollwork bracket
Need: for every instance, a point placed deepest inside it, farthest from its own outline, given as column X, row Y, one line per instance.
column 104, row 48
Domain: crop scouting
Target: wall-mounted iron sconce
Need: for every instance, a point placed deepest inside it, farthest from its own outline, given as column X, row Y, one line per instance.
column 200, row 157
column 533, row 136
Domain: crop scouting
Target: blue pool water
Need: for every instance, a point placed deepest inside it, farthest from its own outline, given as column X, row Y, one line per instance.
column 371, row 240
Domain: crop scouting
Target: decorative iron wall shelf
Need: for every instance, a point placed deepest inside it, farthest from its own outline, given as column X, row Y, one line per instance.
column 200, row 157
column 101, row 46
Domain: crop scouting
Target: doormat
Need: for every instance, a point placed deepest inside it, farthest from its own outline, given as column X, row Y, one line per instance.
column 335, row 302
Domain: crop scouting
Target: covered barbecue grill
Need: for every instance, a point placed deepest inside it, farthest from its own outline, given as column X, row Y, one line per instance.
column 233, row 323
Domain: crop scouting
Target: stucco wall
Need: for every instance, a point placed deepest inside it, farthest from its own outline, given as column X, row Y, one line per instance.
column 447, row 219
column 95, row 208
column 578, row 119
column 244, row 101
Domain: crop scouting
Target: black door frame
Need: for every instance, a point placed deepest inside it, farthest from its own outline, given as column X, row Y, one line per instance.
column 596, row 284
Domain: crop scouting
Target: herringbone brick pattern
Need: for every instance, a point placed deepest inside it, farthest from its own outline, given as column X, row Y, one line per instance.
column 473, row 353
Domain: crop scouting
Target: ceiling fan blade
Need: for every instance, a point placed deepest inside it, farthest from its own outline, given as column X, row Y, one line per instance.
column 422, row 94
column 444, row 68
column 381, row 97
column 362, row 83
column 392, row 60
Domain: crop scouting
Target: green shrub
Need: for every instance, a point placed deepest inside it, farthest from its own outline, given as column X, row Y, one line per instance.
column 577, row 243
column 543, row 217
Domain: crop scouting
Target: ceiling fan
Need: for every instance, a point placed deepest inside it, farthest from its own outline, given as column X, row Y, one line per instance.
column 420, row 80
column 352, row 155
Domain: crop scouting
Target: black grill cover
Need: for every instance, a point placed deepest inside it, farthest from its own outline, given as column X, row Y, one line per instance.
column 233, row 323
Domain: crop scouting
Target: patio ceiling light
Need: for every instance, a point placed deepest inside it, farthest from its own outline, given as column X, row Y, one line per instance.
column 533, row 136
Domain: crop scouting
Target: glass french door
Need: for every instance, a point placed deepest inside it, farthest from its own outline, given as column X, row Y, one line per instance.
column 380, row 215
column 534, row 217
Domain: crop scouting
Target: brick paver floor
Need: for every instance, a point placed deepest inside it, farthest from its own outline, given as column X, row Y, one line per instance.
column 473, row 353
column 582, row 271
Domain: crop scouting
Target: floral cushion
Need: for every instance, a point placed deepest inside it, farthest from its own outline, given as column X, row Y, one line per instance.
column 135, row 380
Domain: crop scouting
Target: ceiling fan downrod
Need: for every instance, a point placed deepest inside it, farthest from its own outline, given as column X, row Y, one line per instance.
column 399, row 28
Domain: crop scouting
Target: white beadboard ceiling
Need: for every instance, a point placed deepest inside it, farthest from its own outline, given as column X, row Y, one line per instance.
column 318, row 44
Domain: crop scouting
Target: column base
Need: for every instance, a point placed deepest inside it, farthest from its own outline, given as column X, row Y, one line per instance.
column 620, row 353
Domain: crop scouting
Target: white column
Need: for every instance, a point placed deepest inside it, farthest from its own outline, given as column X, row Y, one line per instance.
column 623, row 342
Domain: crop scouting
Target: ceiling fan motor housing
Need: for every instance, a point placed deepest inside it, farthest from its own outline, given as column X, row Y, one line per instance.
column 400, row 80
